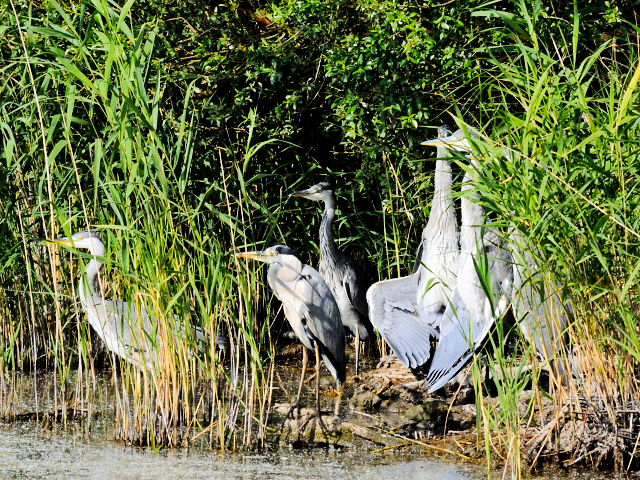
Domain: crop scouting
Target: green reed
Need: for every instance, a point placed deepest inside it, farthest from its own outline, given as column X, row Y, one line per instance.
column 88, row 145
column 568, row 184
column 93, row 135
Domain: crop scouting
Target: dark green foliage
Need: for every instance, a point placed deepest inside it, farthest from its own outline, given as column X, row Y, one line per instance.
column 340, row 90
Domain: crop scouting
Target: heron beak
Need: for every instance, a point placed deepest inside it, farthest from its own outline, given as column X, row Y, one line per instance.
column 248, row 254
column 438, row 142
column 258, row 255
column 449, row 141
column 66, row 241
column 302, row 193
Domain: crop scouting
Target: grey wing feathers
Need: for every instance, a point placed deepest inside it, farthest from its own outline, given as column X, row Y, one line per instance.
column 125, row 331
column 540, row 312
column 410, row 341
column 355, row 286
column 319, row 301
column 392, row 310
column 322, row 318
column 500, row 263
column 538, row 305
column 471, row 314
column 445, row 376
column 418, row 261
column 455, row 345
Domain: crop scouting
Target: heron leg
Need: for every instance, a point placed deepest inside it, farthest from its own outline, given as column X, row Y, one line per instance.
column 357, row 348
column 336, row 409
column 318, row 387
column 305, row 359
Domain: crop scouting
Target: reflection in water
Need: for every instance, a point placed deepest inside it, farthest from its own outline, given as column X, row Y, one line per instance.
column 27, row 453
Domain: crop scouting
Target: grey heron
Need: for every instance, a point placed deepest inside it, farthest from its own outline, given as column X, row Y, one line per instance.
column 340, row 271
column 309, row 307
column 538, row 305
column 407, row 311
column 476, row 302
column 126, row 329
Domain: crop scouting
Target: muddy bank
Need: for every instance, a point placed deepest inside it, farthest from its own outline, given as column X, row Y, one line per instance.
column 387, row 408
column 384, row 407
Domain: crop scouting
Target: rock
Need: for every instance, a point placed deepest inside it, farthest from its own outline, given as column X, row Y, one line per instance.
column 462, row 417
column 367, row 401
column 303, row 424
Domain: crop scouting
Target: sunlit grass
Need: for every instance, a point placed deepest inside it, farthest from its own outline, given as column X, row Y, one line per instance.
column 104, row 156
column 94, row 136
column 560, row 165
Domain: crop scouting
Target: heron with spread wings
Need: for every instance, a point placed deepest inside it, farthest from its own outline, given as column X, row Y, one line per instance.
column 407, row 311
column 483, row 283
column 440, row 314
column 493, row 273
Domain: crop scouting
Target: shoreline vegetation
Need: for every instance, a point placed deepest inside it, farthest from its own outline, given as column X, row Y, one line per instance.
column 178, row 131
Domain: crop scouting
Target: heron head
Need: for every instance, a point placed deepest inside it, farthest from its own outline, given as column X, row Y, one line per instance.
column 270, row 255
column 456, row 141
column 319, row 192
column 86, row 239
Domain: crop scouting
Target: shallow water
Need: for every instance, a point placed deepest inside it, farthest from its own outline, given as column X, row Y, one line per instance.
column 27, row 452
column 77, row 449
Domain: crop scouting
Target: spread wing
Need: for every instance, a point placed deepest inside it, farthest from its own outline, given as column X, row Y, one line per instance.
column 471, row 313
column 455, row 346
column 392, row 310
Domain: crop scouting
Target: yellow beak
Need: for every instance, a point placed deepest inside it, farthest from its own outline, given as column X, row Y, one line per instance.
column 58, row 241
column 261, row 256
column 248, row 254
column 437, row 142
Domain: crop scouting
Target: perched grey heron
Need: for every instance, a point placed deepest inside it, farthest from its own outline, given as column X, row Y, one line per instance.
column 310, row 309
column 407, row 311
column 125, row 328
column 484, row 281
column 538, row 305
column 340, row 270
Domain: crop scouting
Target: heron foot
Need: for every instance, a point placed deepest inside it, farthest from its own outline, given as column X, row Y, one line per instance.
column 332, row 393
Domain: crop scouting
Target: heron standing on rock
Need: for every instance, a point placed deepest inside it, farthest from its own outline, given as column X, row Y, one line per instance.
column 340, row 270
column 309, row 307
column 407, row 311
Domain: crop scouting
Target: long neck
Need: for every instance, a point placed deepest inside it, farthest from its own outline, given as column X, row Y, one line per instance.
column 288, row 269
column 442, row 226
column 328, row 247
column 442, row 201
column 472, row 216
column 89, row 285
